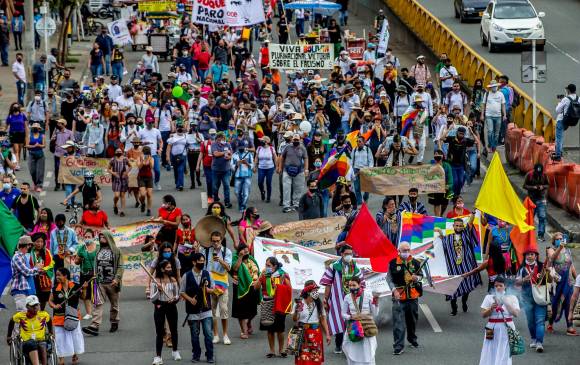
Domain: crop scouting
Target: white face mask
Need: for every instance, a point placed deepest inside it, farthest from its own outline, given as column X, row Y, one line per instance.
column 530, row 261
column 404, row 255
column 348, row 258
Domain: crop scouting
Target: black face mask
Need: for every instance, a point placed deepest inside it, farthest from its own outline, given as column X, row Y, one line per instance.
column 245, row 257
column 313, row 190
column 296, row 143
column 347, row 206
column 199, row 265
column 256, row 216
column 438, row 158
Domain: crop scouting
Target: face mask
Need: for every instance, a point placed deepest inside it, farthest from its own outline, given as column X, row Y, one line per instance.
column 557, row 243
column 530, row 261
column 89, row 182
column 494, row 89
column 245, row 257
column 438, row 158
column 6, row 186
column 313, row 190
column 413, row 198
column 114, row 107
column 460, row 205
column 317, row 164
column 166, row 255
column 269, row 270
column 354, row 290
column 199, row 265
column 404, row 255
column 296, row 143
column 347, row 206
column 37, row 98
column 347, row 258
column 241, row 150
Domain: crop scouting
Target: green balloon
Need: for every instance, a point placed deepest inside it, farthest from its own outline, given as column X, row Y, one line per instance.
column 177, row 91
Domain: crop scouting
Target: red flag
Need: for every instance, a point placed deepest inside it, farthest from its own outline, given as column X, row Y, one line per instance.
column 368, row 240
column 524, row 241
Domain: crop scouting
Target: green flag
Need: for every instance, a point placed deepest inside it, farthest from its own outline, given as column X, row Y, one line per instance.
column 10, row 229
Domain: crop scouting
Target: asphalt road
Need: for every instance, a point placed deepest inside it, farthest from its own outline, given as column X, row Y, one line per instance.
column 444, row 340
column 562, row 48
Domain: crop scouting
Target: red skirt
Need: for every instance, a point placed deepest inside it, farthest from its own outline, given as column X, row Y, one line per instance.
column 312, row 350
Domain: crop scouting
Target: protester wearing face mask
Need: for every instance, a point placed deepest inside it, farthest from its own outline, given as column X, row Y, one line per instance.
column 170, row 215
column 533, row 272
column 119, row 170
column 221, row 153
column 89, row 190
column 9, row 193
column 311, row 203
column 459, row 209
column 413, row 205
column 500, row 308
column 21, row 273
column 460, row 258
column 94, row 216
column 85, row 258
column 109, row 269
column 405, row 277
column 389, row 219
column 26, row 207
column 35, row 144
column 561, row 259
column 500, row 235
column 242, row 165
column 536, row 183
column 217, row 209
column 335, row 280
column 246, row 273
column 176, row 154
column 151, row 137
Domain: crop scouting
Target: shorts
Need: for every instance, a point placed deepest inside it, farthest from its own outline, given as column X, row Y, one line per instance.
column 438, row 199
column 219, row 306
column 145, row 182
column 32, row 345
column 16, row 137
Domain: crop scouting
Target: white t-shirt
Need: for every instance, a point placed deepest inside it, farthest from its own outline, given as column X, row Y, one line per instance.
column 265, row 157
column 178, row 144
column 165, row 120
column 308, row 315
column 577, row 283
column 18, row 68
column 149, row 137
column 493, row 102
column 447, row 71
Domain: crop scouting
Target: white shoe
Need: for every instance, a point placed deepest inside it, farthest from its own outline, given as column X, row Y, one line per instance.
column 216, row 339
column 157, row 360
column 158, row 187
column 227, row 340
column 175, row 355
column 87, row 317
column 533, row 344
column 539, row 347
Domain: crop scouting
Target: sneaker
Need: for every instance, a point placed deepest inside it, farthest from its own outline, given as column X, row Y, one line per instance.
column 175, row 355
column 114, row 327
column 148, row 213
column 157, row 360
column 210, row 361
column 415, row 345
column 209, row 200
column 93, row 331
column 550, row 328
column 533, row 344
column 287, row 210
column 216, row 339
column 398, row 352
column 193, row 359
column 338, row 350
column 157, row 186
column 229, row 205
column 539, row 348
column 87, row 317
column 227, row 340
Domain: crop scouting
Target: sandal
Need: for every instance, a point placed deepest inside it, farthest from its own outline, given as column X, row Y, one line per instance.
column 75, row 360
column 243, row 336
column 270, row 355
column 571, row 332
column 283, row 354
column 550, row 328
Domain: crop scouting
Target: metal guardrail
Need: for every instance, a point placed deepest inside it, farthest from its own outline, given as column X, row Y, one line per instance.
column 440, row 39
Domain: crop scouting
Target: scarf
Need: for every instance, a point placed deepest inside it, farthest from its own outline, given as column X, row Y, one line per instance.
column 347, row 271
column 244, row 277
column 273, row 278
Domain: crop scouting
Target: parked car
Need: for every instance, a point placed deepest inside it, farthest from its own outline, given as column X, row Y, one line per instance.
column 469, row 9
column 510, row 22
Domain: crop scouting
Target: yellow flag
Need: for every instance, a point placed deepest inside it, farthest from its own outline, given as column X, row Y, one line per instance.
column 498, row 198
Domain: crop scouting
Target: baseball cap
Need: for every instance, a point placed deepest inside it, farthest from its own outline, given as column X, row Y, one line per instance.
column 32, row 300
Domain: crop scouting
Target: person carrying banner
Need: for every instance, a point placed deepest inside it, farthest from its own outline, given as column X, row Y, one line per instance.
column 413, row 205
column 335, row 280
column 404, row 277
column 389, row 219
column 459, row 249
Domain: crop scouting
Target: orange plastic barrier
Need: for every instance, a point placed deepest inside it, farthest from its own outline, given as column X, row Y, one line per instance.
column 557, row 178
column 514, row 145
column 537, row 150
column 573, row 183
column 525, row 162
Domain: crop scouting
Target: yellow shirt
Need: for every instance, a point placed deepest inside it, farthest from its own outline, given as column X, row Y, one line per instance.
column 32, row 328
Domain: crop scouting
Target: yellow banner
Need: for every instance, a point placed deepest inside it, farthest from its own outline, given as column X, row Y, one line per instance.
column 157, row 6
column 318, row 234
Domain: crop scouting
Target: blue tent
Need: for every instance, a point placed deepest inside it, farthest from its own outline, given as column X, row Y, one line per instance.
column 322, row 7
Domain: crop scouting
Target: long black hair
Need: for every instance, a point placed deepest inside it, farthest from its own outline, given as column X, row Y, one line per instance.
column 160, row 265
column 49, row 217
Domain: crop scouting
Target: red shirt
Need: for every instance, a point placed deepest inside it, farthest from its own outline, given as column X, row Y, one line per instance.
column 203, row 60
column 207, row 157
column 452, row 213
column 265, row 60
column 169, row 216
column 185, row 235
column 98, row 219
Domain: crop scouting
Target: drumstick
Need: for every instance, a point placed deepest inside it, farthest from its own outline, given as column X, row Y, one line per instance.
column 159, row 287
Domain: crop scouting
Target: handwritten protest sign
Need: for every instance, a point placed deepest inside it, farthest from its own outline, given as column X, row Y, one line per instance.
column 318, row 234
column 128, row 235
column 72, row 171
column 210, row 12
column 398, row 180
column 133, row 274
column 233, row 13
column 301, row 56
column 356, row 48
column 156, row 6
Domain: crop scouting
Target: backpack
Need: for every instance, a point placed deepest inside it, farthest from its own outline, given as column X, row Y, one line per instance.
column 572, row 114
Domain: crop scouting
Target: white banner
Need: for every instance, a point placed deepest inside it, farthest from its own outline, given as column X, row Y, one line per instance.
column 241, row 13
column 384, row 38
column 211, row 12
column 302, row 264
column 301, row 56
column 119, row 32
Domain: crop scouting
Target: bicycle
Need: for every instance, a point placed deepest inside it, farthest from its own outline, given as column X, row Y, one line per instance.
column 77, row 209
column 93, row 27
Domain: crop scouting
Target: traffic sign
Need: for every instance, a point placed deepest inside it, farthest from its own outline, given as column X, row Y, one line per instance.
column 46, row 27
column 528, row 69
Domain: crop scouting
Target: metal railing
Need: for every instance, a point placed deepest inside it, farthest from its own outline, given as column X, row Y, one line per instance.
column 440, row 39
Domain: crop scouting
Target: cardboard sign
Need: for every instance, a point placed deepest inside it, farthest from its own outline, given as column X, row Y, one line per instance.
column 317, row 234
column 72, row 170
column 399, row 179
column 128, row 235
column 356, row 48
column 301, row 56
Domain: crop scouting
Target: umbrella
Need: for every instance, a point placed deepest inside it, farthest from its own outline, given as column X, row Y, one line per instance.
column 322, row 7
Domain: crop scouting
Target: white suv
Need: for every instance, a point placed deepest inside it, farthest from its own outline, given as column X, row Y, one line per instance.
column 510, row 22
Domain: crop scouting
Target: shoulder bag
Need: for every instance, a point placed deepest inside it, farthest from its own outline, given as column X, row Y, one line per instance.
column 515, row 339
column 368, row 323
column 540, row 291
column 267, row 313
column 296, row 337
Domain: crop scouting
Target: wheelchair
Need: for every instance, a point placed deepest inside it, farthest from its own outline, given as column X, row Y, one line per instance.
column 17, row 356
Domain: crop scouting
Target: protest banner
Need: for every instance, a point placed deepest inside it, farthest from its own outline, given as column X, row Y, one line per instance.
column 355, row 48
column 72, row 170
column 119, row 32
column 156, row 6
column 383, row 38
column 302, row 264
column 301, row 56
column 397, row 180
column 317, row 234
column 210, row 12
column 241, row 13
column 128, row 235
column 133, row 274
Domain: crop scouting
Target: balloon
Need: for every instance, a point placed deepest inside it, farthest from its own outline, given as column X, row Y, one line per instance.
column 305, row 126
column 177, row 91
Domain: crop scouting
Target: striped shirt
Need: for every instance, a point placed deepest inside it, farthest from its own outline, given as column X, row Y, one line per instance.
column 407, row 207
column 460, row 259
column 21, row 270
column 391, row 232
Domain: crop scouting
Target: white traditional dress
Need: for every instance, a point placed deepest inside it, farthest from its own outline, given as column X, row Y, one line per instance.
column 497, row 351
column 362, row 352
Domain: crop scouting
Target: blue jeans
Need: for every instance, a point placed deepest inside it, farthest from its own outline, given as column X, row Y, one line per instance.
column 20, row 90
column 96, row 70
column 357, row 192
column 458, row 172
column 265, row 174
column 535, row 315
column 343, row 17
column 4, row 54
column 445, row 91
column 299, row 26
column 472, row 155
column 242, row 188
column 108, row 64
column 164, row 136
column 117, row 69
column 207, row 327
column 559, row 138
column 345, row 126
column 221, row 178
column 202, row 74
column 540, row 211
column 156, row 168
column 493, row 125
column 208, row 181
column 178, row 163
column 68, row 189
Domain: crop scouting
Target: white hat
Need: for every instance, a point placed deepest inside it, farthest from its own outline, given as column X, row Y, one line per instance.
column 32, row 300
column 493, row 84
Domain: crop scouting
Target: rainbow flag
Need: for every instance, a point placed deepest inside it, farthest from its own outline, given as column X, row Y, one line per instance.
column 336, row 165
column 419, row 231
column 259, row 131
column 407, row 121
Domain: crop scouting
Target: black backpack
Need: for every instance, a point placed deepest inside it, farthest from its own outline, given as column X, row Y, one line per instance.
column 572, row 114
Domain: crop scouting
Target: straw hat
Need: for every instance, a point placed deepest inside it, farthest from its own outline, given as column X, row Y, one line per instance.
column 206, row 226
column 264, row 226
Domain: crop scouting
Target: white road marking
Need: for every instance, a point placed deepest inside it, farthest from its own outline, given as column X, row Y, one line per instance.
column 203, row 199
column 46, row 184
column 42, row 193
column 49, row 174
column 564, row 52
column 430, row 318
